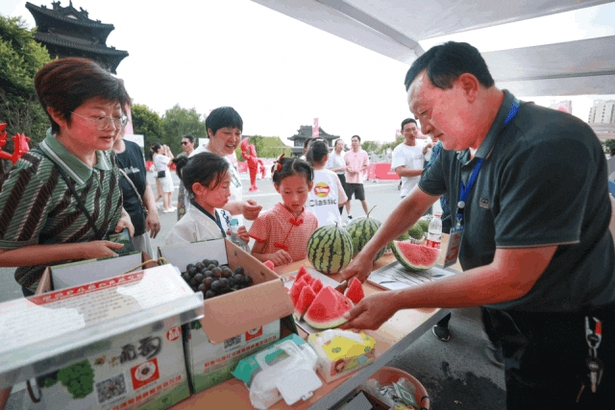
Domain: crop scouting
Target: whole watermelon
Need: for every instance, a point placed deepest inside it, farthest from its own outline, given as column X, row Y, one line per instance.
column 361, row 231
column 329, row 249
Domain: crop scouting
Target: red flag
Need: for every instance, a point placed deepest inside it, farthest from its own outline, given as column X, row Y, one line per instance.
column 315, row 128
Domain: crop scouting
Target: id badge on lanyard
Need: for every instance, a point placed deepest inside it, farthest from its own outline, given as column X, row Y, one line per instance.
column 454, row 243
column 456, row 233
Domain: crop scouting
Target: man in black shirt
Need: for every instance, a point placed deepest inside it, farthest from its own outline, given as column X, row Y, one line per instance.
column 528, row 191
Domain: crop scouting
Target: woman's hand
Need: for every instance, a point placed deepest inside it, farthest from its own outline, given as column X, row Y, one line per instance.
column 125, row 222
column 98, row 249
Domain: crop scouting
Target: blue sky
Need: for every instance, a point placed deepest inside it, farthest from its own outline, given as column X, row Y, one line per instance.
column 280, row 73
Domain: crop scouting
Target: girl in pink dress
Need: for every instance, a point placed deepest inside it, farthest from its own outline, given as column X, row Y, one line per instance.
column 282, row 233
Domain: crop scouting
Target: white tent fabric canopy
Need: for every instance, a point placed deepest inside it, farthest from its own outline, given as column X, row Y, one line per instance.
column 394, row 28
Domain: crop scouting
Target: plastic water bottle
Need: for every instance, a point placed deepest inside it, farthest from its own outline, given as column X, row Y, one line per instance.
column 434, row 233
column 235, row 238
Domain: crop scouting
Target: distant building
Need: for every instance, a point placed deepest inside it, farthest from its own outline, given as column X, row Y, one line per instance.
column 304, row 132
column 68, row 32
column 603, row 112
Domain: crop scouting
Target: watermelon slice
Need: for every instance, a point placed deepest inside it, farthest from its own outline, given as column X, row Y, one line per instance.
column 327, row 310
column 306, row 297
column 355, row 291
column 415, row 257
column 295, row 290
column 316, row 285
column 302, row 271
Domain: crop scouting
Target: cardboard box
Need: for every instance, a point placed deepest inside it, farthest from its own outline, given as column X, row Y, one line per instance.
column 106, row 345
column 235, row 324
column 92, row 270
column 140, row 369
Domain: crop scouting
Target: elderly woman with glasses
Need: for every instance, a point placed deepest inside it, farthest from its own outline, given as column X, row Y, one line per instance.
column 62, row 199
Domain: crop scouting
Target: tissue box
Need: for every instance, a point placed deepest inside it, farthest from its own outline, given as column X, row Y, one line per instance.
column 341, row 352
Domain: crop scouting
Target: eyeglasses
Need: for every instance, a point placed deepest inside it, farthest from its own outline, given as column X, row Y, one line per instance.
column 103, row 122
column 184, row 143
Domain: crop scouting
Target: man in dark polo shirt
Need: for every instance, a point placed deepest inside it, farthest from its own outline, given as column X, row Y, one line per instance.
column 536, row 249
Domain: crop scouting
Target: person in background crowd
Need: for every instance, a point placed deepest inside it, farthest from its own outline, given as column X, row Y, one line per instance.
column 224, row 126
column 207, row 177
column 42, row 222
column 306, row 147
column 327, row 195
column 408, row 158
column 357, row 161
column 162, row 156
column 282, row 233
column 138, row 197
column 535, row 249
column 182, row 197
column 337, row 164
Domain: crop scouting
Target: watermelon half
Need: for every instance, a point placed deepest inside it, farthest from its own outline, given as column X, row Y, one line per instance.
column 327, row 310
column 415, row 257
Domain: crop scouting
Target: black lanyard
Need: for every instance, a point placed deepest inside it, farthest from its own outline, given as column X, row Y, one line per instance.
column 465, row 189
column 216, row 218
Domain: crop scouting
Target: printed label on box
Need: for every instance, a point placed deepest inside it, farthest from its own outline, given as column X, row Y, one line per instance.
column 138, row 369
column 211, row 364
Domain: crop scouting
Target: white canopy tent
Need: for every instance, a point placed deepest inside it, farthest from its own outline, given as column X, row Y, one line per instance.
column 394, row 28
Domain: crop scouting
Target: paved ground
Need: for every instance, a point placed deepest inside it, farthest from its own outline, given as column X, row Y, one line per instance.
column 457, row 375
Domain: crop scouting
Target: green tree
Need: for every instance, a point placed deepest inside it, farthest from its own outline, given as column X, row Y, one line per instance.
column 608, row 145
column 179, row 121
column 147, row 123
column 371, row 147
column 20, row 59
column 266, row 147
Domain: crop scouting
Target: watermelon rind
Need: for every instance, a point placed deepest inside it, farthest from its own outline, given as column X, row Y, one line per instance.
column 415, row 257
column 329, row 249
column 328, row 309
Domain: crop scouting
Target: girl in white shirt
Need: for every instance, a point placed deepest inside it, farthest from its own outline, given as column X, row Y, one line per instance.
column 207, row 178
column 327, row 195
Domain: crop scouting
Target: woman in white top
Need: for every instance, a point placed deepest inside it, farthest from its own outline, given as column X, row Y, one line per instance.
column 224, row 127
column 162, row 156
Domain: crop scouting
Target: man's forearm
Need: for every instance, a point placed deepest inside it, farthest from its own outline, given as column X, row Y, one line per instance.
column 402, row 171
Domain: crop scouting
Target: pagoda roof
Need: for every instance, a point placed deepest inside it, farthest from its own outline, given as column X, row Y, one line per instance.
column 47, row 38
column 305, row 131
column 45, row 17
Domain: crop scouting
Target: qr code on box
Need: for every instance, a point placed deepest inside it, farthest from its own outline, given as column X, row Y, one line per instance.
column 111, row 388
column 233, row 341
